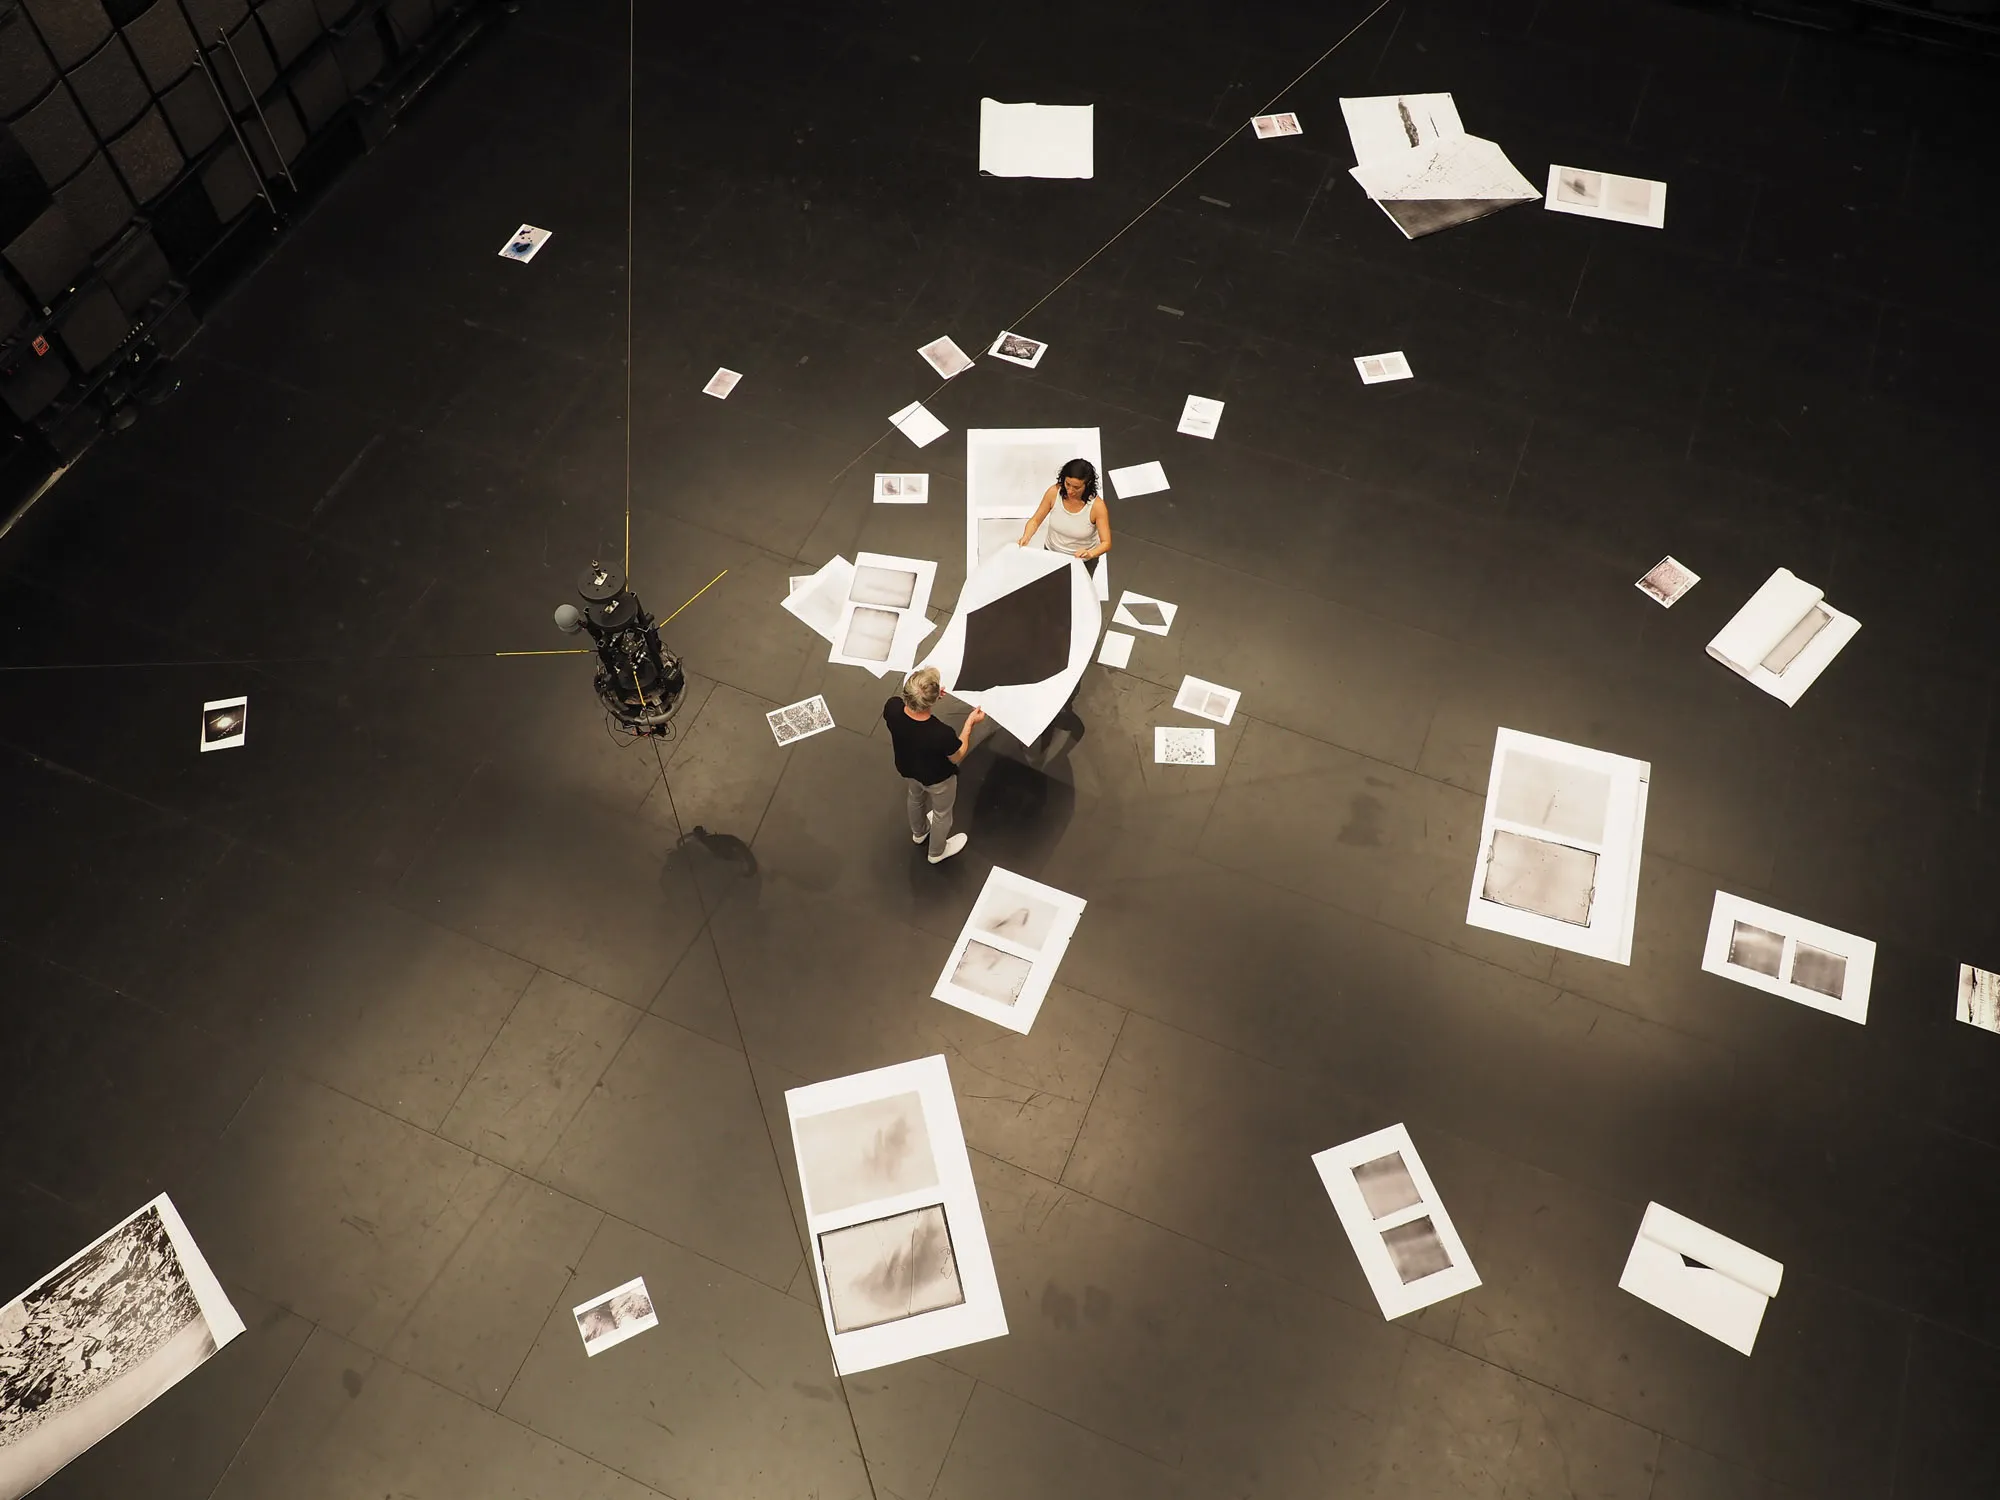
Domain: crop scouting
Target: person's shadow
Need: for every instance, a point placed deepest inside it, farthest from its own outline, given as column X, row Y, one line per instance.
column 1020, row 797
column 723, row 867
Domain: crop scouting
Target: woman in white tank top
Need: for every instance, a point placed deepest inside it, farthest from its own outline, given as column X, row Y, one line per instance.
column 1078, row 522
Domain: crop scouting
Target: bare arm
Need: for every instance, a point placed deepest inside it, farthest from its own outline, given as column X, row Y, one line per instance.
column 965, row 735
column 1103, row 519
column 1035, row 521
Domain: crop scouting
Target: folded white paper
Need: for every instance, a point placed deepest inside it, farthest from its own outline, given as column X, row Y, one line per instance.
column 1784, row 637
column 1035, row 140
column 1466, row 166
column 917, row 424
column 1138, row 479
column 1706, row 1280
column 818, row 601
column 1385, row 124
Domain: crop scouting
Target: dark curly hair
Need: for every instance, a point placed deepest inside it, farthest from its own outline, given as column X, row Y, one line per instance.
column 1079, row 468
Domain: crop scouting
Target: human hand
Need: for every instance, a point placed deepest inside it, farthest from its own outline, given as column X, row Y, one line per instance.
column 974, row 717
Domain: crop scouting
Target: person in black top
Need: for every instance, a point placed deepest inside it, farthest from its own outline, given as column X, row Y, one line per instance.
column 928, row 751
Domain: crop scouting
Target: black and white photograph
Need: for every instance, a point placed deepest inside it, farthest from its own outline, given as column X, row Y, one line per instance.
column 889, row 1269
column 1268, row 126
column 879, row 1148
column 1386, row 1185
column 223, row 723
column 1415, row 1250
column 871, row 634
column 1018, row 349
column 1819, row 970
column 1177, row 746
column 1667, row 580
column 892, row 588
column 1756, row 948
column 1377, row 368
column 1979, row 998
column 798, row 721
column 1607, row 195
column 946, row 357
column 1200, row 417
column 1139, row 612
column 1540, row 876
column 1556, row 796
column 1206, row 700
column 1037, row 140
column 1008, row 912
column 902, row 489
column 721, row 383
column 96, row 1341
column 609, row 1320
column 524, row 243
column 992, row 972
column 1795, row 640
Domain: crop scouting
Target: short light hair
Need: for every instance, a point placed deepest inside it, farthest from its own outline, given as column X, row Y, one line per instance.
column 921, row 689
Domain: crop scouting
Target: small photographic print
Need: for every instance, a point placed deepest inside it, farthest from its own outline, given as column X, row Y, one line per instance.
column 223, row 723
column 1022, row 919
column 893, row 587
column 1018, row 349
column 721, row 383
column 871, row 634
column 615, row 1317
column 902, row 489
column 1416, row 1250
column 1756, row 948
column 1668, row 580
column 946, row 357
column 524, row 242
column 1376, row 368
column 1538, row 875
column 1817, row 970
column 985, row 970
column 1979, row 998
column 1386, row 1185
column 1584, row 189
column 798, row 721
column 1268, row 126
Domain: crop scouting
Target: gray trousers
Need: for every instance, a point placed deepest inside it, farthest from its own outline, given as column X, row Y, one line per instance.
column 930, row 807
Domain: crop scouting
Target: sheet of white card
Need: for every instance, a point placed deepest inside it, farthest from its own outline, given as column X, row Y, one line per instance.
column 1607, row 195
column 1116, row 650
column 1138, row 479
column 883, row 619
column 1384, row 124
column 946, row 357
column 1176, row 745
column 1207, row 700
column 721, row 383
column 917, row 424
column 838, row 1128
column 817, row 603
column 1780, row 954
column 1708, row 1281
column 524, row 243
column 1787, row 622
column 1200, row 417
column 1156, row 620
column 1376, row 368
column 1008, row 952
column 1405, row 1241
column 1036, row 140
column 1025, row 709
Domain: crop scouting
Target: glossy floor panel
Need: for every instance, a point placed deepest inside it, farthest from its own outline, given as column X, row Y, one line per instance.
column 440, row 1011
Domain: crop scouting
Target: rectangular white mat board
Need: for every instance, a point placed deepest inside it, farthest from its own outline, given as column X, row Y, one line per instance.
column 1406, row 1243
column 883, row 619
column 898, row 1242
column 1008, row 952
column 1788, row 956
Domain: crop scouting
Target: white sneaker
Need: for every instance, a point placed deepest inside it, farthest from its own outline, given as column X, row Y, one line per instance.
column 951, row 846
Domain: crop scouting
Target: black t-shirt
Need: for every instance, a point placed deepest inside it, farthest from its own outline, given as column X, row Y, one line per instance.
column 924, row 747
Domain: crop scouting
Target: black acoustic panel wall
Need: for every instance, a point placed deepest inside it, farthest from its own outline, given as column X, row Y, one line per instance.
column 244, row 60
column 73, row 29
column 230, row 187
column 49, row 255
column 97, row 203
column 69, row 434
column 92, row 327
column 360, row 56
column 184, row 223
column 160, row 39
column 290, row 26
column 147, row 158
column 136, row 271
column 124, row 12
column 14, row 309
column 175, row 329
column 286, row 133
column 194, row 113
column 25, row 69
column 110, row 88
column 318, row 90
column 29, row 382
column 55, row 135
column 23, row 194
column 211, row 16
column 333, row 12
column 410, row 21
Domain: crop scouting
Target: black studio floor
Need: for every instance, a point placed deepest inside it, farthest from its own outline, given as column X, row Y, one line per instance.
column 433, row 1026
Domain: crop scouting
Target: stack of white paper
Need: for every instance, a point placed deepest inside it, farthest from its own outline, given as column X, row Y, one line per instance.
column 1702, row 1278
column 1784, row 637
column 817, row 601
column 1413, row 157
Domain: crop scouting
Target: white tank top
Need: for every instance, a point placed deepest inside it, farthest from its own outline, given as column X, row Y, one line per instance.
column 1069, row 532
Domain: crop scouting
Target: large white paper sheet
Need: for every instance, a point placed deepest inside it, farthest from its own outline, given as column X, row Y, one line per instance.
column 1138, row 479
column 1036, row 140
column 1026, row 709
column 1404, row 1239
column 1784, row 637
column 1781, row 954
column 1385, row 124
column 1007, row 471
column 1007, row 955
column 817, row 603
column 1705, row 1279
column 899, row 1247
column 1559, row 846
column 1606, row 195
column 882, row 620
column 100, row 1338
